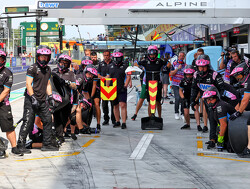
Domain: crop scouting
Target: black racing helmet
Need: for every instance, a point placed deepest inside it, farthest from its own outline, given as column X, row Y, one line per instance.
column 240, row 72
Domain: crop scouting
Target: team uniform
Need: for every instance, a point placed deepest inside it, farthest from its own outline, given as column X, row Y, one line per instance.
column 186, row 86
column 61, row 116
column 153, row 66
column 40, row 77
column 6, row 118
column 118, row 72
column 103, row 70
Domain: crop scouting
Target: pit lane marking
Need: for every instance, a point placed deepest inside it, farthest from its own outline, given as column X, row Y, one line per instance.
column 217, row 157
column 72, row 154
column 88, row 143
column 142, row 146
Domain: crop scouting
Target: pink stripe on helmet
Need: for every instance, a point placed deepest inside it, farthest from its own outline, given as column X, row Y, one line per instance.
column 43, row 51
column 67, row 57
column 117, row 54
column 202, row 62
column 236, row 70
column 87, row 62
column 2, row 53
column 189, row 71
column 208, row 94
column 92, row 70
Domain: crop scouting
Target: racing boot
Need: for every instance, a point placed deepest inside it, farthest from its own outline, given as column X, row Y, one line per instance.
column 16, row 151
column 50, row 147
column 117, row 124
column 205, row 129
column 199, row 128
column 245, row 153
column 73, row 136
column 185, row 126
column 134, row 117
column 124, row 126
column 220, row 146
column 85, row 130
column 2, row 154
column 23, row 149
column 211, row 144
column 98, row 128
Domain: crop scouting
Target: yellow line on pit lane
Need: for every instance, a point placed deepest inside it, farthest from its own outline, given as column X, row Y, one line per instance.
column 88, row 143
column 72, row 154
column 216, row 157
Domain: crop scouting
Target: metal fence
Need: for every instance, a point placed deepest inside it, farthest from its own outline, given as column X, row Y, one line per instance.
column 19, row 61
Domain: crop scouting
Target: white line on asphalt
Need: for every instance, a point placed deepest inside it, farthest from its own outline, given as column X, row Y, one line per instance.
column 16, row 99
column 142, row 146
column 18, row 83
column 129, row 98
column 18, row 89
column 19, row 73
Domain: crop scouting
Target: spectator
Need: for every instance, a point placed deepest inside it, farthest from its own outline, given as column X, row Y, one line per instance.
column 178, row 74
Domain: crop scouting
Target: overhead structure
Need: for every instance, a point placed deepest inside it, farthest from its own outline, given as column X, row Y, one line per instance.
column 139, row 43
column 123, row 12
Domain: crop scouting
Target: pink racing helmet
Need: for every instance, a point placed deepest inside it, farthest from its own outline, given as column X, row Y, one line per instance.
column 65, row 57
column 43, row 50
column 90, row 68
column 117, row 54
column 208, row 94
column 211, row 92
column 86, row 60
column 203, row 60
column 189, row 69
column 152, row 50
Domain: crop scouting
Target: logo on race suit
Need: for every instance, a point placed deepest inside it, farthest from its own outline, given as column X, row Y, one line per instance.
column 219, row 109
column 230, row 95
column 245, row 86
column 204, row 87
column 51, row 5
column 10, row 78
column 1, row 76
column 108, row 92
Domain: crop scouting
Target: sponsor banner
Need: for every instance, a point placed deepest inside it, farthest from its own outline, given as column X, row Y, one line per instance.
column 23, row 61
column 125, row 4
column 13, row 61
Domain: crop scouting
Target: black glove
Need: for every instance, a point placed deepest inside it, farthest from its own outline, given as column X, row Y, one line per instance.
column 235, row 115
column 193, row 106
column 34, row 102
column 51, row 103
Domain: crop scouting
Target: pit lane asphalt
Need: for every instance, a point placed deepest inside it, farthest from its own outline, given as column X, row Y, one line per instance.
column 174, row 159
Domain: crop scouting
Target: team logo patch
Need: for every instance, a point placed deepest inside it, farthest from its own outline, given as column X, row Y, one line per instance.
column 204, row 87
column 245, row 86
column 219, row 109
